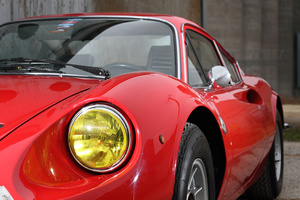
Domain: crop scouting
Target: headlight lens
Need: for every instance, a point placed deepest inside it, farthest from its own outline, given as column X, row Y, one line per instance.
column 99, row 138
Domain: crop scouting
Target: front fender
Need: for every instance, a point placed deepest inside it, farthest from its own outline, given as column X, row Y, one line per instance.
column 157, row 105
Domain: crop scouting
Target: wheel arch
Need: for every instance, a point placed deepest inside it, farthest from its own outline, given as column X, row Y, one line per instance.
column 279, row 108
column 277, row 105
column 205, row 120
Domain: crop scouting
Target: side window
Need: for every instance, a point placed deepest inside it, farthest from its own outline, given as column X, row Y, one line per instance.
column 204, row 50
column 230, row 66
column 195, row 72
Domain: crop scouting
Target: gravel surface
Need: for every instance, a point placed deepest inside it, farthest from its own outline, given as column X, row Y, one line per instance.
column 291, row 176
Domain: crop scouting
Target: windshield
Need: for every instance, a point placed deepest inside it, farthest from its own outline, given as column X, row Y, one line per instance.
column 120, row 46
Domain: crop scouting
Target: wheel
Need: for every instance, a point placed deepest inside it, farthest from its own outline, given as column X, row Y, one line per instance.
column 194, row 173
column 269, row 185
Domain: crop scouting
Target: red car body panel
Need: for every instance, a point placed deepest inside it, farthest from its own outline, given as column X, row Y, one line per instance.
column 41, row 93
column 245, row 114
column 36, row 162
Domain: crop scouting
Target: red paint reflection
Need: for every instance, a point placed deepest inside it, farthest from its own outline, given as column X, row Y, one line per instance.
column 60, row 86
column 7, row 95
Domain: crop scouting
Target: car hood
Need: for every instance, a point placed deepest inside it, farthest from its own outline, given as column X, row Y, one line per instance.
column 23, row 97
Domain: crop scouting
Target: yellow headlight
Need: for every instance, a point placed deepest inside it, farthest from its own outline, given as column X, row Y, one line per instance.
column 99, row 137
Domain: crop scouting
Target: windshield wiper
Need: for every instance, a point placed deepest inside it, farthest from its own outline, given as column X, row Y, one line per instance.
column 18, row 64
column 18, row 67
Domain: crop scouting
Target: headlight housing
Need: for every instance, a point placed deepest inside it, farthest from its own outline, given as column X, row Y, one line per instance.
column 99, row 138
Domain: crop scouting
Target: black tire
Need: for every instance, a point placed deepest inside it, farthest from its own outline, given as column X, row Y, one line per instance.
column 269, row 185
column 194, row 166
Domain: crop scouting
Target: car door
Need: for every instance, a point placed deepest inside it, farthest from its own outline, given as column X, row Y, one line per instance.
column 238, row 106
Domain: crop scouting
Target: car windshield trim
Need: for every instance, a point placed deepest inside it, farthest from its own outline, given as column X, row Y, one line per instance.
column 55, row 74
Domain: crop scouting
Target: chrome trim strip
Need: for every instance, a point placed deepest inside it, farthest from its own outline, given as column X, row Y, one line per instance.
column 184, row 78
column 241, row 72
column 222, row 125
column 55, row 74
column 219, row 53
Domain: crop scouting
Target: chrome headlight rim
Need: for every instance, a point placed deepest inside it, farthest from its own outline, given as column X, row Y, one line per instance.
column 112, row 110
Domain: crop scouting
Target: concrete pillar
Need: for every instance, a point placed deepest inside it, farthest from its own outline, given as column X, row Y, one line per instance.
column 224, row 20
column 296, row 27
column 252, row 32
column 5, row 11
column 286, row 46
column 270, row 42
column 189, row 9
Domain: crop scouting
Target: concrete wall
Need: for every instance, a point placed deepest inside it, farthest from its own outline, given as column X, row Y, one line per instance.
column 260, row 35
column 12, row 10
column 286, row 54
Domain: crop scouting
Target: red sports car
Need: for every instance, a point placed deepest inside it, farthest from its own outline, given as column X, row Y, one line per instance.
column 132, row 106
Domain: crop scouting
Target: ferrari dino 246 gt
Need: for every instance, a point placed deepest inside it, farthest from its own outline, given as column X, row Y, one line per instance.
column 132, row 106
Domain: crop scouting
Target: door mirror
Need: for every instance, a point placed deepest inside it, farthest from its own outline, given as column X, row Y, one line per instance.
column 220, row 75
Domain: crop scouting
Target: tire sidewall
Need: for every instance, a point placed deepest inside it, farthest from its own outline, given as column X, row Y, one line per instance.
column 196, row 147
column 276, row 184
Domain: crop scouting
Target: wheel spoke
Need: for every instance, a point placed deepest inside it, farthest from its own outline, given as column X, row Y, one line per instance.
column 192, row 180
column 197, row 184
column 197, row 191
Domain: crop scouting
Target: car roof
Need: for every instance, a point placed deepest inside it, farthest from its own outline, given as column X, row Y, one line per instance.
column 170, row 18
